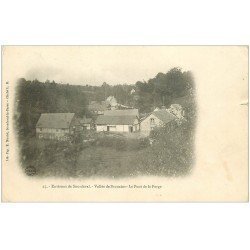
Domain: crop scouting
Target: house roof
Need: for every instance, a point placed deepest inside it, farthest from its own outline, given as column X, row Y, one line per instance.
column 164, row 116
column 122, row 112
column 115, row 120
column 55, row 120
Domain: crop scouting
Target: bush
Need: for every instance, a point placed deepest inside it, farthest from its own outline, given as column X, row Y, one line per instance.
column 173, row 152
column 120, row 144
column 143, row 143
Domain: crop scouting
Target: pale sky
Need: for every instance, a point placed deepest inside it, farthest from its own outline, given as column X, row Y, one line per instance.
column 97, row 64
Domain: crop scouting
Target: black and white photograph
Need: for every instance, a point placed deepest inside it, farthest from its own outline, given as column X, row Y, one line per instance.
column 125, row 123
column 107, row 129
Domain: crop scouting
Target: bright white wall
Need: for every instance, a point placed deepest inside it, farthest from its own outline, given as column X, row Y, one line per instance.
column 118, row 128
column 100, row 128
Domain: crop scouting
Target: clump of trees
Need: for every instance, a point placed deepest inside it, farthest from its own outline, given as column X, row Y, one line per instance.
column 161, row 90
column 34, row 98
column 172, row 153
column 164, row 89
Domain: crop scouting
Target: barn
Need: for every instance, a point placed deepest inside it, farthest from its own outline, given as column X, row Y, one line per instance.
column 125, row 121
column 57, row 126
column 157, row 118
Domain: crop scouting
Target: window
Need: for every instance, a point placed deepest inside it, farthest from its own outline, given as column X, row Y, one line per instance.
column 152, row 121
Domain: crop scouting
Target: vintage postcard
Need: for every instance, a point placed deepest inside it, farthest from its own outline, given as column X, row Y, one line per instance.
column 124, row 123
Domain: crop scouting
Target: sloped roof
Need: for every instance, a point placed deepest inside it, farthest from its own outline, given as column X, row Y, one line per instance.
column 115, row 120
column 122, row 112
column 55, row 120
column 164, row 116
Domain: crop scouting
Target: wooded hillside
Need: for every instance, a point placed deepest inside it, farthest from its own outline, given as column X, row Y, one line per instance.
column 34, row 97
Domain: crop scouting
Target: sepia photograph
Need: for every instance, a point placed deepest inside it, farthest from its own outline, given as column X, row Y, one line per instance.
column 124, row 125
column 107, row 129
column 146, row 121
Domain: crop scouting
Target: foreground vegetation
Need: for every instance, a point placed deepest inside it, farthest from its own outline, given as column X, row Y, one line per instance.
column 170, row 153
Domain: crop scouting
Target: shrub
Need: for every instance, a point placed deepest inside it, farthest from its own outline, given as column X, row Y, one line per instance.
column 143, row 143
column 120, row 144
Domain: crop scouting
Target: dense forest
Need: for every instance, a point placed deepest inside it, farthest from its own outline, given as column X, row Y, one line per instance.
column 164, row 89
column 159, row 91
column 34, row 97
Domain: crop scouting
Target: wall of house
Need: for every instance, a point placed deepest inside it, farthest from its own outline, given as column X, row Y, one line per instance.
column 121, row 128
column 146, row 125
column 52, row 133
column 117, row 128
column 100, row 128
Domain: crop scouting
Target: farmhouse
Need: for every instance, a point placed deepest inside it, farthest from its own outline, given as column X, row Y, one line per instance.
column 156, row 119
column 57, row 126
column 118, row 121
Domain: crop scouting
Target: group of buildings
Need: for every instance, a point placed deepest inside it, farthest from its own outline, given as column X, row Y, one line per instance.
column 107, row 118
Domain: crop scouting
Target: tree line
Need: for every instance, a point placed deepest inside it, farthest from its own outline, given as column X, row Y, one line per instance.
column 35, row 97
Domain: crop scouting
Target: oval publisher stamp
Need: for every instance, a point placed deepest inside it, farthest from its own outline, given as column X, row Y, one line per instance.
column 30, row 171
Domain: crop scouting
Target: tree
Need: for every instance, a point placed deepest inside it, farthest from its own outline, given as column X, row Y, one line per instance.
column 34, row 98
